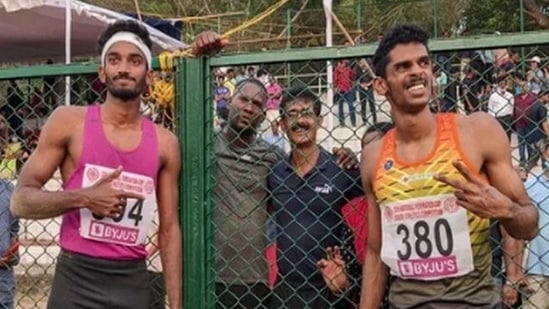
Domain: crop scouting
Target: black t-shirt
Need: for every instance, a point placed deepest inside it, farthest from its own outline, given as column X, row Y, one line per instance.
column 537, row 115
column 307, row 214
column 450, row 92
column 471, row 88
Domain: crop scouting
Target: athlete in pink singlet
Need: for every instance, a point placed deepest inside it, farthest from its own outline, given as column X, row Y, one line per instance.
column 117, row 167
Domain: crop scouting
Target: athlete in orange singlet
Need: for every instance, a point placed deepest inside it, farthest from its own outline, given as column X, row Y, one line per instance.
column 433, row 183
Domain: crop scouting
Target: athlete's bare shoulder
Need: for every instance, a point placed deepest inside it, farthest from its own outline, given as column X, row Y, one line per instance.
column 168, row 142
column 165, row 135
column 481, row 132
column 64, row 120
column 68, row 113
column 481, row 123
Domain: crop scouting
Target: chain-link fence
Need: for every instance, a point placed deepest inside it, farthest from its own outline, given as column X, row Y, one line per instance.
column 252, row 222
column 272, row 224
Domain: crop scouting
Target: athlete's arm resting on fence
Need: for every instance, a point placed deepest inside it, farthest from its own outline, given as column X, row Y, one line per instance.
column 520, row 219
column 374, row 274
column 169, row 233
column 30, row 201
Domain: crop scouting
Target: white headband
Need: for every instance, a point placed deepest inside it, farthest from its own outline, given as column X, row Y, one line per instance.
column 129, row 38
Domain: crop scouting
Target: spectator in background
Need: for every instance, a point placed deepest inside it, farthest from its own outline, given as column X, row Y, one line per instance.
column 355, row 236
column 274, row 90
column 471, row 91
column 537, row 129
column 97, row 89
column 5, row 132
column 500, row 105
column 523, row 103
column 222, row 95
column 12, row 110
column 366, row 91
column 503, row 59
column 355, row 212
column 379, row 37
column 441, row 79
column 440, row 82
column 243, row 162
column 344, row 90
column 9, row 246
column 485, row 96
column 537, row 265
column 12, row 156
column 308, row 190
column 444, row 58
column 262, row 76
column 515, row 82
column 450, row 96
column 251, row 73
column 510, row 64
column 230, row 81
column 275, row 137
column 360, row 37
column 240, row 75
column 535, row 76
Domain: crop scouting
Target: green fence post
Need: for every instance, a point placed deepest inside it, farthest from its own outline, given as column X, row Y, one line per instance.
column 289, row 28
column 435, row 18
column 191, row 119
column 522, row 50
column 288, row 43
column 358, row 14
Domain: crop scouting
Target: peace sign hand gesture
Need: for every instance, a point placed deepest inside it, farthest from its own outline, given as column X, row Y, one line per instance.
column 477, row 195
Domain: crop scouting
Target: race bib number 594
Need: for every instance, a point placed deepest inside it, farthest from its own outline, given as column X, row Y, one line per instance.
column 426, row 238
column 131, row 225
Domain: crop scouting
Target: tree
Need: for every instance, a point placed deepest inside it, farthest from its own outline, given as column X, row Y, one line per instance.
column 488, row 16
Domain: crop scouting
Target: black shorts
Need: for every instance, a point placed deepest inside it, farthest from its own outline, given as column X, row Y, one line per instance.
column 83, row 282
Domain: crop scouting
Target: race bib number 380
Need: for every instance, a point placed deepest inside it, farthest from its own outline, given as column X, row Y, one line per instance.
column 426, row 238
column 131, row 226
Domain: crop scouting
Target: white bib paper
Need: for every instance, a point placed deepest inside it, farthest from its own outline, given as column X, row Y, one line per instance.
column 426, row 238
column 130, row 228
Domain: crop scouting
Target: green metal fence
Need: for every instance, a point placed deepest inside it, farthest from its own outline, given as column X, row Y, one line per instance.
column 224, row 189
column 215, row 170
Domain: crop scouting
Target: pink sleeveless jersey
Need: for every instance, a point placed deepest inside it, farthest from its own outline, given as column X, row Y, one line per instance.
column 104, row 237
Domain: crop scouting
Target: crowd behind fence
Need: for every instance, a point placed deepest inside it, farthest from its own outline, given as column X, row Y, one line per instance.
column 239, row 241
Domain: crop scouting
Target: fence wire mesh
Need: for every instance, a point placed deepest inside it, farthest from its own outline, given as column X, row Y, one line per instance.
column 277, row 222
column 270, row 227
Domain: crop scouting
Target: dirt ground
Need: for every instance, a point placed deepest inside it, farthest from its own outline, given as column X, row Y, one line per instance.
column 32, row 292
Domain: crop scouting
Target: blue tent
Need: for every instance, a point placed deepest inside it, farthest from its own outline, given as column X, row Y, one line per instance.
column 170, row 28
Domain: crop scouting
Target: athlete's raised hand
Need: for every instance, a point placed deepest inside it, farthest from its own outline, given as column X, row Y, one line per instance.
column 104, row 200
column 477, row 195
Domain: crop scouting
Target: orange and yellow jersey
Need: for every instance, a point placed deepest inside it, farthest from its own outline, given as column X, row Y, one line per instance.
column 437, row 251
